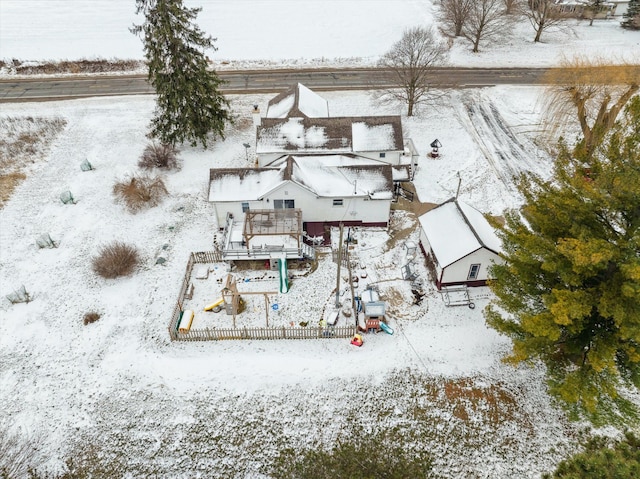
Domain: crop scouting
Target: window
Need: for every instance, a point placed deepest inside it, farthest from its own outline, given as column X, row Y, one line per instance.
column 282, row 204
column 245, row 207
column 382, row 155
column 338, row 202
column 473, row 271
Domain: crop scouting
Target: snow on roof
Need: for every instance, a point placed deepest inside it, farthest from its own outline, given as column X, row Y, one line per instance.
column 281, row 108
column 325, row 176
column 298, row 101
column 311, row 104
column 242, row 184
column 481, row 226
column 331, row 135
column 330, row 179
column 453, row 234
column 372, row 137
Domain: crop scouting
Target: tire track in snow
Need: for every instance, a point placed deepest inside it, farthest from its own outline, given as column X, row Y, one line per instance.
column 504, row 152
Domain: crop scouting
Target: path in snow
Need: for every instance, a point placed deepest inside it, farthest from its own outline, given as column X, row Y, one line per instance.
column 505, row 153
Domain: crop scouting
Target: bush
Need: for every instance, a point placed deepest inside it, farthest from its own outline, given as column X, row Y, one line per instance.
column 115, row 259
column 356, row 457
column 603, row 458
column 91, row 317
column 140, row 191
column 159, row 155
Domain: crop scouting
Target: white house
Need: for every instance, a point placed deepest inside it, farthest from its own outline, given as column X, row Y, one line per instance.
column 460, row 242
column 297, row 122
column 329, row 170
column 328, row 190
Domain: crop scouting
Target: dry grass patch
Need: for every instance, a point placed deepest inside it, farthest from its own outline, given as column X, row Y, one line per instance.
column 158, row 155
column 139, row 192
column 115, row 259
column 82, row 66
column 24, row 141
column 492, row 402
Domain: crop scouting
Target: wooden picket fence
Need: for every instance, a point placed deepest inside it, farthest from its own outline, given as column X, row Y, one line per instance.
column 283, row 332
column 218, row 334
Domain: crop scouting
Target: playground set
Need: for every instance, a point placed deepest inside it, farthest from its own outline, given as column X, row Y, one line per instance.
column 248, row 300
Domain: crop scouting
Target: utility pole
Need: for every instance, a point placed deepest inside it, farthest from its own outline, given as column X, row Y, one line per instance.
column 339, row 261
column 459, row 183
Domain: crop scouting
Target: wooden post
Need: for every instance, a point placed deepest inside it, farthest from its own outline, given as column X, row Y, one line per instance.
column 339, row 261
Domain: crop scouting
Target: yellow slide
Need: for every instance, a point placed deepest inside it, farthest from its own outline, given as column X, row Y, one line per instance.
column 213, row 306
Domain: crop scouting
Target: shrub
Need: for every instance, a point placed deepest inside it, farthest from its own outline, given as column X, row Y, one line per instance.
column 140, row 191
column 159, row 155
column 90, row 317
column 362, row 456
column 602, row 458
column 115, row 259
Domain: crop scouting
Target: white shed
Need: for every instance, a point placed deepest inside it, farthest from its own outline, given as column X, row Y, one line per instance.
column 460, row 242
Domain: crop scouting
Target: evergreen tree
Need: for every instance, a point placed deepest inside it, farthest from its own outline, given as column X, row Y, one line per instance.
column 569, row 292
column 602, row 459
column 631, row 18
column 189, row 104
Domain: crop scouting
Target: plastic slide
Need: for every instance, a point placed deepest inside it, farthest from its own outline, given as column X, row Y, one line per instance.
column 214, row 305
column 284, row 275
column 386, row 328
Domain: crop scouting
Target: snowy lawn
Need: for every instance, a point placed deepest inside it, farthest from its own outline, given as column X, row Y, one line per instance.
column 180, row 409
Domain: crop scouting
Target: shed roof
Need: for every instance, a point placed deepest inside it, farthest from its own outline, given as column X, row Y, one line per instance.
column 455, row 230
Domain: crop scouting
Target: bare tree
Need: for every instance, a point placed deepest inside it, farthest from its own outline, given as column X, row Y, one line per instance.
column 513, row 7
column 592, row 9
column 544, row 15
column 454, row 13
column 486, row 19
column 411, row 60
column 593, row 91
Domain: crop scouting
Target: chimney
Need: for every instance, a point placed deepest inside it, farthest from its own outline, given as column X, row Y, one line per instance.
column 257, row 120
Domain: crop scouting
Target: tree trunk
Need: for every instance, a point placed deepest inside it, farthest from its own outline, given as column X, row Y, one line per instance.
column 539, row 32
column 476, row 44
column 410, row 108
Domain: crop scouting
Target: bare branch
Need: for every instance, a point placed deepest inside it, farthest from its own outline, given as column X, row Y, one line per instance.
column 592, row 91
column 486, row 20
column 411, row 61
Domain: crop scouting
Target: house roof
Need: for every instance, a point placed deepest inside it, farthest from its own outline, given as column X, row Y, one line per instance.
column 242, row 184
column 329, row 135
column 298, row 101
column 325, row 176
column 455, row 230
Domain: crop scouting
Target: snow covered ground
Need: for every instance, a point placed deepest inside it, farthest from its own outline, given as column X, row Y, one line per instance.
column 287, row 33
column 119, row 382
column 224, row 409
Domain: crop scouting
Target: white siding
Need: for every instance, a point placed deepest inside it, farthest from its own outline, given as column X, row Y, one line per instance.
column 391, row 157
column 322, row 209
column 459, row 271
column 235, row 208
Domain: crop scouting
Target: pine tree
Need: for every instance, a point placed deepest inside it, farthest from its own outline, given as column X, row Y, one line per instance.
column 631, row 18
column 569, row 292
column 189, row 105
column 602, row 459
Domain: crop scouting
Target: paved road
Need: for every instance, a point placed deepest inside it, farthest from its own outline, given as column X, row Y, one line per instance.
column 12, row 90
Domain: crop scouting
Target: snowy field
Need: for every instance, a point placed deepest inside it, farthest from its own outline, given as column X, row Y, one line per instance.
column 287, row 33
column 224, row 409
